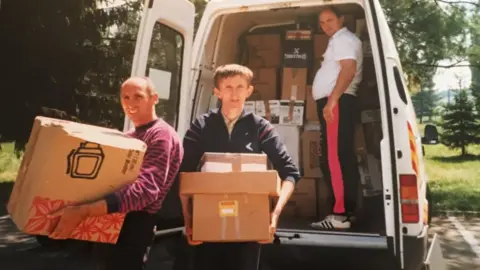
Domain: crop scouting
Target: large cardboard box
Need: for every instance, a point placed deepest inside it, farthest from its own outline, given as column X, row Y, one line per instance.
column 311, row 107
column 320, row 44
column 67, row 162
column 231, row 197
column 263, row 51
column 297, row 48
column 311, row 153
column 264, row 84
column 294, row 83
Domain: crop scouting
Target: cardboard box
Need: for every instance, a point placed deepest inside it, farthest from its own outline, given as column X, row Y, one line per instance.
column 320, row 45
column 266, row 182
column 67, row 162
column 231, row 203
column 291, row 112
column 233, row 162
column 311, row 154
column 264, row 84
column 263, row 51
column 283, row 112
column 294, row 83
column 290, row 136
column 231, row 217
column 303, row 202
column 297, row 48
column 311, row 107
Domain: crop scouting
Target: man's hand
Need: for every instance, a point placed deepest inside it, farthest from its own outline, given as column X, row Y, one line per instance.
column 189, row 231
column 70, row 218
column 328, row 111
column 273, row 226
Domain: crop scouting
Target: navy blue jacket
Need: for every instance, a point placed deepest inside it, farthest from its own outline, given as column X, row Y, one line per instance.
column 250, row 134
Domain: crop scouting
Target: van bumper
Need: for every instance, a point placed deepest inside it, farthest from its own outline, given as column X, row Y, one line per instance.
column 419, row 254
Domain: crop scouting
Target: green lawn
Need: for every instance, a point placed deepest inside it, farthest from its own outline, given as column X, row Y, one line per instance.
column 454, row 180
column 9, row 163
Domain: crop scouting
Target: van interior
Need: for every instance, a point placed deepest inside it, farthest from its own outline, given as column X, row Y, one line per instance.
column 259, row 40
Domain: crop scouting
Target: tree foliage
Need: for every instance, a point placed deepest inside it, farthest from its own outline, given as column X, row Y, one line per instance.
column 460, row 125
column 425, row 33
column 425, row 103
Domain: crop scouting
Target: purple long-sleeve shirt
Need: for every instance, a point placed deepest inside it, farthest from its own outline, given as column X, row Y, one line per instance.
column 160, row 166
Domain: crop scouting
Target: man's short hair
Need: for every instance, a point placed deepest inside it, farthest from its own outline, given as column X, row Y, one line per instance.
column 141, row 81
column 231, row 70
column 332, row 9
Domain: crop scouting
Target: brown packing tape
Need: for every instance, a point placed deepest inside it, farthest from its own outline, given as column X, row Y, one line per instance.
column 291, row 107
column 268, row 113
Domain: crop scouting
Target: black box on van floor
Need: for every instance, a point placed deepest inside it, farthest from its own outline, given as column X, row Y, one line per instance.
column 298, row 49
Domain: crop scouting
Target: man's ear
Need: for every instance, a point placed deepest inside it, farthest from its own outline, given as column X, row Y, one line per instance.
column 216, row 92
column 342, row 20
column 155, row 98
column 250, row 91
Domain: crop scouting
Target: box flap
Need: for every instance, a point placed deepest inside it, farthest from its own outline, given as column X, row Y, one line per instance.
column 266, row 182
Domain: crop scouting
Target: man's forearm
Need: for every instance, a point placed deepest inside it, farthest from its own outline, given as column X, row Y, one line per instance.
column 285, row 193
column 345, row 78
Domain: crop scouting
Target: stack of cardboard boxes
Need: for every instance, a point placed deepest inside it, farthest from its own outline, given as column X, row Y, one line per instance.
column 231, row 197
column 284, row 97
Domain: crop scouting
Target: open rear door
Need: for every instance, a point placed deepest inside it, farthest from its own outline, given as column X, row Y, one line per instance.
column 163, row 52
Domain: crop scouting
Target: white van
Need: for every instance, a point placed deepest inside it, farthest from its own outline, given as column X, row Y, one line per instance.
column 181, row 68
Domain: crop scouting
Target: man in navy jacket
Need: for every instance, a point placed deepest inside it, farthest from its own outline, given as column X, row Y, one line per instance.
column 231, row 129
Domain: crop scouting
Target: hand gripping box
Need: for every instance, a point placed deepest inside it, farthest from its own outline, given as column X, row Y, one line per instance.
column 69, row 163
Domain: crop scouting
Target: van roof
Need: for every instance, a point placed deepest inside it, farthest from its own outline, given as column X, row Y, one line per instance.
column 245, row 5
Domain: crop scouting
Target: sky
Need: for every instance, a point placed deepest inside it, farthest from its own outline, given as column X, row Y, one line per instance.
column 452, row 78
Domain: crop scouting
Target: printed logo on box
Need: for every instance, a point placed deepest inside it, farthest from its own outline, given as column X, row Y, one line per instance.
column 85, row 161
column 228, row 208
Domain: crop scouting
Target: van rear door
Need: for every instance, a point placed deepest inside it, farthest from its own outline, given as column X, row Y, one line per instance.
column 163, row 53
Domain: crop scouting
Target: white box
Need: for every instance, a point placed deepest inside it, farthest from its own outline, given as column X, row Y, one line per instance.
column 297, row 113
column 290, row 136
column 250, row 106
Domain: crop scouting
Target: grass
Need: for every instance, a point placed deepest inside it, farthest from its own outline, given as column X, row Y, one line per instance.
column 9, row 163
column 454, row 180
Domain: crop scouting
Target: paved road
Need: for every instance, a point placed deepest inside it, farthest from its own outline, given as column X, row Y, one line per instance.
column 21, row 252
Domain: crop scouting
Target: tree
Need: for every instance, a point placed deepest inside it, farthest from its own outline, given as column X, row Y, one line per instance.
column 459, row 123
column 426, row 32
column 474, row 57
column 425, row 102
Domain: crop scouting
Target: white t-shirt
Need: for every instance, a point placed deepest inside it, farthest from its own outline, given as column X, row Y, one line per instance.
column 342, row 45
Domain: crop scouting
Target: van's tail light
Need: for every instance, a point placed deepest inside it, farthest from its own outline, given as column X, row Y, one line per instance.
column 409, row 198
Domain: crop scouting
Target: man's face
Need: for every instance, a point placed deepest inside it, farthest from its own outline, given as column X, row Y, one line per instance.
column 329, row 22
column 137, row 103
column 233, row 91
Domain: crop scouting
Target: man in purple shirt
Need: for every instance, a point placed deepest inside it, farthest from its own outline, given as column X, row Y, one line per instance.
column 141, row 199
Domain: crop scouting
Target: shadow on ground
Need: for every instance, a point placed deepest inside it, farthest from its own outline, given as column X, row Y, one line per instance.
column 455, row 250
column 456, row 159
column 5, row 190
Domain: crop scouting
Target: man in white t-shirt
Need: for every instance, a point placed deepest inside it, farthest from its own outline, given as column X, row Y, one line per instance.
column 334, row 89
